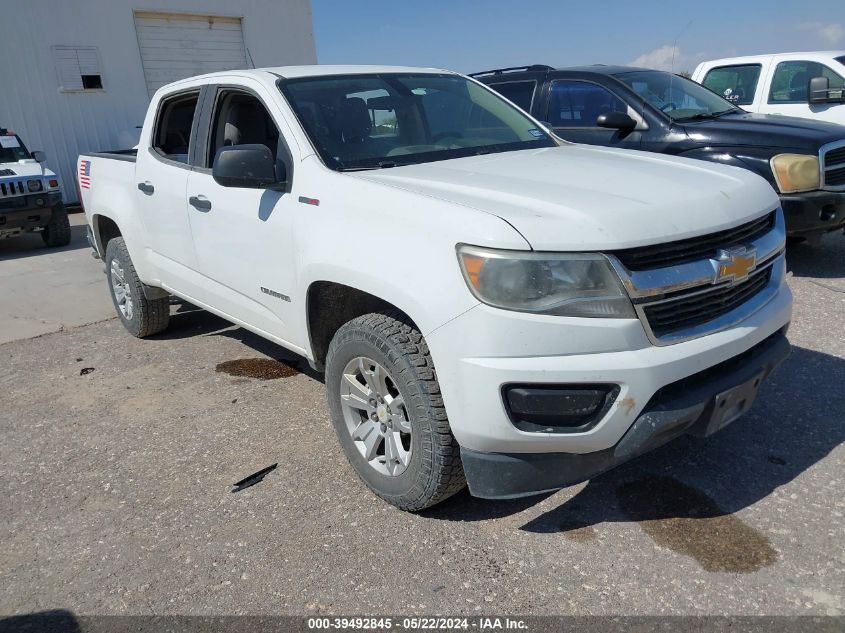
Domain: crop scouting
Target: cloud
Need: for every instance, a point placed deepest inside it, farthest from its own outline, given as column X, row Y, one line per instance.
column 830, row 34
column 661, row 59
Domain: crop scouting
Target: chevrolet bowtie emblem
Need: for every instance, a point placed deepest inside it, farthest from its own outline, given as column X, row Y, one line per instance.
column 734, row 264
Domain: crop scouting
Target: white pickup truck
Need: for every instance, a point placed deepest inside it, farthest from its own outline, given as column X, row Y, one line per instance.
column 490, row 305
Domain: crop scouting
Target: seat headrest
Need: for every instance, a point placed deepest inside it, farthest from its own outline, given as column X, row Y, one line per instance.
column 245, row 123
column 354, row 123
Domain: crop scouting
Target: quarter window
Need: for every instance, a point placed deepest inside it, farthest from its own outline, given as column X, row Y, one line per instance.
column 520, row 92
column 736, row 84
column 791, row 80
column 172, row 134
column 580, row 103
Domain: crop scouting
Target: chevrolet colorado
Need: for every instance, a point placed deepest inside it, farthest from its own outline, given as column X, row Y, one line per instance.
column 490, row 305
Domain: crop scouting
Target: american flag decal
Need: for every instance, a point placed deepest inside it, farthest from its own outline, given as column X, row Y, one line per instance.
column 85, row 174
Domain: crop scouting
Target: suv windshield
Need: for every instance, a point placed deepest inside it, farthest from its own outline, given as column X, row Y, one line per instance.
column 677, row 97
column 12, row 148
column 387, row 120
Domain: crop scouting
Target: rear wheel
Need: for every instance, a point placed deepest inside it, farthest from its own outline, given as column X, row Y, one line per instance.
column 57, row 231
column 388, row 413
column 140, row 316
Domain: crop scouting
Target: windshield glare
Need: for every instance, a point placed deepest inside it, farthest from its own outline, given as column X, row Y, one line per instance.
column 386, row 120
column 12, row 148
column 677, row 97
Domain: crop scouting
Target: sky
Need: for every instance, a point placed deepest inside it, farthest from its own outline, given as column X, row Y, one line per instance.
column 474, row 35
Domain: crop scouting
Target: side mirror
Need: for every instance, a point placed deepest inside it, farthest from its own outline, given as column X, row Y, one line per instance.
column 818, row 90
column 39, row 156
column 248, row 167
column 616, row 121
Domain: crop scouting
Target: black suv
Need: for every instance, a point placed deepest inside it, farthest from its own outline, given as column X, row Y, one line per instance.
column 655, row 111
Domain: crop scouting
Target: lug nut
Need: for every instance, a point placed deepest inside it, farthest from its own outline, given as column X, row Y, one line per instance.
column 374, row 417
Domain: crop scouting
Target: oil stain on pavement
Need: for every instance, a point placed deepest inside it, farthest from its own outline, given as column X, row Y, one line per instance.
column 689, row 522
column 260, row 368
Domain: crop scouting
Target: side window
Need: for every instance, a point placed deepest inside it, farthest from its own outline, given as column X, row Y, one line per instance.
column 579, row 103
column 736, row 84
column 520, row 92
column 172, row 134
column 240, row 119
column 791, row 80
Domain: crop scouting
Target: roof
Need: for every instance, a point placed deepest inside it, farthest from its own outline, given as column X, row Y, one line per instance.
column 317, row 70
column 796, row 55
column 601, row 69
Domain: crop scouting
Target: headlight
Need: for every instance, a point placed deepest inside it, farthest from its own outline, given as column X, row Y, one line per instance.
column 796, row 172
column 33, row 185
column 579, row 284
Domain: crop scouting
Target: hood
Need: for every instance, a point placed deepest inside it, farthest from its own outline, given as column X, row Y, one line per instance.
column 24, row 168
column 765, row 130
column 579, row 197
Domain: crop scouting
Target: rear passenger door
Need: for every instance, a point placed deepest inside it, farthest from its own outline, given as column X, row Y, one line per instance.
column 521, row 92
column 575, row 105
column 243, row 237
column 739, row 83
column 161, row 174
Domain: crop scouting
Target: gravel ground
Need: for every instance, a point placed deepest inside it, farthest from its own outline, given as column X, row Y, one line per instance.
column 117, row 459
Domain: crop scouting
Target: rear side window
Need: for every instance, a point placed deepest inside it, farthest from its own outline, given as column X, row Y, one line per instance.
column 172, row 134
column 520, row 92
column 791, row 81
column 736, row 84
column 580, row 103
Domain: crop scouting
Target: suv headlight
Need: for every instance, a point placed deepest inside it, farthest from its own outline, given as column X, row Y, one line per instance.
column 33, row 185
column 796, row 172
column 577, row 284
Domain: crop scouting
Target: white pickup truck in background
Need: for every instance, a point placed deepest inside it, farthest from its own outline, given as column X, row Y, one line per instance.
column 490, row 305
column 806, row 85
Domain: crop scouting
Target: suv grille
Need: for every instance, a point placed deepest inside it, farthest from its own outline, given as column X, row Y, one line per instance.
column 689, row 310
column 833, row 164
column 13, row 188
column 702, row 247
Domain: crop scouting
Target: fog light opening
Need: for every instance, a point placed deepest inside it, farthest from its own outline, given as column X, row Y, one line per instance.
column 568, row 408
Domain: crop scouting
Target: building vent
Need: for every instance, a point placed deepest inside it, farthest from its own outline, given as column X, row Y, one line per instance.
column 78, row 68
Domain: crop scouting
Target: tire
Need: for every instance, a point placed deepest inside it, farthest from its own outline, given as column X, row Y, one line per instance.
column 431, row 470
column 57, row 231
column 143, row 316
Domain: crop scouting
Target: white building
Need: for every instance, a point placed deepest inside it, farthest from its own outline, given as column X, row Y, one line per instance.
column 78, row 74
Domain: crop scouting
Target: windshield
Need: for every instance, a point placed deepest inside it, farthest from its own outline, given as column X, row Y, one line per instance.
column 387, row 120
column 12, row 148
column 678, row 98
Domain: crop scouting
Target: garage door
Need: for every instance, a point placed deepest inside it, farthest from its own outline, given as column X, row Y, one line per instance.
column 175, row 45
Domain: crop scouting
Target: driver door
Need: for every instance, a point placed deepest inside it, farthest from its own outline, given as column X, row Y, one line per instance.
column 243, row 237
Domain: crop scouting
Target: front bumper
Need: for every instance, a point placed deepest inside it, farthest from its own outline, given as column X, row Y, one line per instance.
column 691, row 405
column 813, row 212
column 27, row 213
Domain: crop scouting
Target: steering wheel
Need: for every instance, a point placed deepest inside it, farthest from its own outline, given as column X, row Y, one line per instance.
column 666, row 107
column 437, row 137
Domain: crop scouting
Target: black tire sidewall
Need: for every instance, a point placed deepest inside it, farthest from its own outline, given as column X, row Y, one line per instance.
column 414, row 480
column 116, row 250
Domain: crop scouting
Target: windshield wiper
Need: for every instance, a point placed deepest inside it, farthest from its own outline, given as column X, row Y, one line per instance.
column 706, row 115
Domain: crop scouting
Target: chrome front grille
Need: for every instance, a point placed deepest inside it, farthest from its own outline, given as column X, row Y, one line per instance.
column 832, row 165
column 691, row 249
column 693, row 298
column 12, row 188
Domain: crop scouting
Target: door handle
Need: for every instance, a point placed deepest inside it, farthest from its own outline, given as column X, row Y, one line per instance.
column 146, row 187
column 200, row 202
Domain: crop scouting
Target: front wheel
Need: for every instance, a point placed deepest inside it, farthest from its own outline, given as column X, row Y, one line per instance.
column 388, row 413
column 140, row 316
column 57, row 231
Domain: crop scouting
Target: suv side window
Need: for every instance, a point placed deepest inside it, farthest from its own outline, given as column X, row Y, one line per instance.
column 520, row 92
column 172, row 133
column 240, row 118
column 791, row 79
column 579, row 103
column 736, row 84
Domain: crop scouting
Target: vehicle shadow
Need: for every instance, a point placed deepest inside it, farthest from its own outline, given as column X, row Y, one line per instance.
column 55, row 621
column 825, row 260
column 32, row 245
column 798, row 419
column 187, row 321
